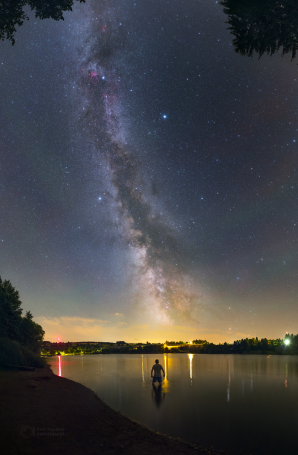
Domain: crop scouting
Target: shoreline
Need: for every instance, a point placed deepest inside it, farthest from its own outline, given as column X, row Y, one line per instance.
column 48, row 356
column 48, row 414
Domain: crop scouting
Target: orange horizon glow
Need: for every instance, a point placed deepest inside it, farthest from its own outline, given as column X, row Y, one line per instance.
column 78, row 329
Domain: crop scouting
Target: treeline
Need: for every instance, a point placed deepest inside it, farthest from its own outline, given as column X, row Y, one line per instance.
column 149, row 348
column 76, row 350
column 114, row 349
column 178, row 343
column 20, row 336
column 287, row 345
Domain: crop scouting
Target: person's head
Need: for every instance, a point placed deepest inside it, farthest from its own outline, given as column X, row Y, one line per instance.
column 156, row 361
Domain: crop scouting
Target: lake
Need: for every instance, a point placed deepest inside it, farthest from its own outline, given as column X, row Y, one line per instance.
column 247, row 403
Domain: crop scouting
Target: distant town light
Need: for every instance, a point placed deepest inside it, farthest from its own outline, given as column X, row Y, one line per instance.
column 287, row 341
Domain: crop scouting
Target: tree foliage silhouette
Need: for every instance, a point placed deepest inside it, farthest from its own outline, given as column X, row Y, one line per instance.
column 12, row 325
column 263, row 26
column 12, row 13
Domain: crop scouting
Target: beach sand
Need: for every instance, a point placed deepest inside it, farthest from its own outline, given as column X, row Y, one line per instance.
column 42, row 413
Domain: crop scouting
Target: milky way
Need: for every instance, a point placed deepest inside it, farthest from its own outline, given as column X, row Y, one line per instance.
column 163, row 289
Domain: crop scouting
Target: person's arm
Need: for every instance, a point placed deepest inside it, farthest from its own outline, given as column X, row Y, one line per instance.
column 163, row 372
column 151, row 371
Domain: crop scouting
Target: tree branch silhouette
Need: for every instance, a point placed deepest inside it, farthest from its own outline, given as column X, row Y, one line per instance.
column 12, row 13
column 263, row 26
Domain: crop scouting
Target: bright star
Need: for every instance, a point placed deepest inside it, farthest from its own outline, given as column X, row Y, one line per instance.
column 164, row 116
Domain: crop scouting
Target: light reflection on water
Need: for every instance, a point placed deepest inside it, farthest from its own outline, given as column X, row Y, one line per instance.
column 190, row 366
column 59, row 366
column 245, row 402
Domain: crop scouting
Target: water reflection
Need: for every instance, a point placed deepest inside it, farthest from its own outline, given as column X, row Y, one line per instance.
column 229, row 383
column 263, row 26
column 166, row 367
column 158, row 394
column 200, row 402
column 165, row 383
column 190, row 356
column 59, row 370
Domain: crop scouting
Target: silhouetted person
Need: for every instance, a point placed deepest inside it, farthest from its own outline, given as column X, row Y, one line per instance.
column 157, row 369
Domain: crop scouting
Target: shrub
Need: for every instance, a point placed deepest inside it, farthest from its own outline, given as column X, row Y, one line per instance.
column 11, row 352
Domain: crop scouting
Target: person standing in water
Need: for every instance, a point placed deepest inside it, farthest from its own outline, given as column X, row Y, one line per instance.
column 157, row 369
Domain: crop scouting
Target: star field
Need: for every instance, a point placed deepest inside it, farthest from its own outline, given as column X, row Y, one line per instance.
column 148, row 176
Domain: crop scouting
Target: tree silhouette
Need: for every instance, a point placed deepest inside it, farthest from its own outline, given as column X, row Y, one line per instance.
column 12, row 325
column 12, row 13
column 263, row 26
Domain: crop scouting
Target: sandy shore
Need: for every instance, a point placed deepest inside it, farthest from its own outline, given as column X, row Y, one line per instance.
column 44, row 414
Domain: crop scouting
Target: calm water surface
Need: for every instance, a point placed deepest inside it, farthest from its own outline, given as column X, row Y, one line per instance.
column 248, row 403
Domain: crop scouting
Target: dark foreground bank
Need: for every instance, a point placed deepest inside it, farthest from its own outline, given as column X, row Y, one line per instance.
column 45, row 414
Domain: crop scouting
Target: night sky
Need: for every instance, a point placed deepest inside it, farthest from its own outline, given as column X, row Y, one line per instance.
column 148, row 176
